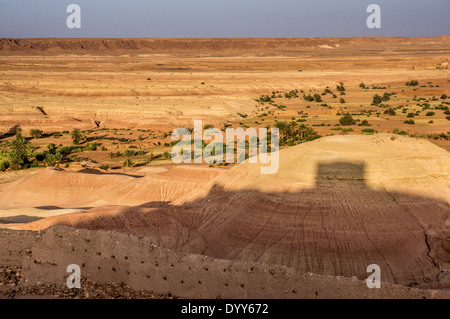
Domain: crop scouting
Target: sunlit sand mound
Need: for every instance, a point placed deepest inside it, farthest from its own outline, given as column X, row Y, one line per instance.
column 336, row 206
column 54, row 187
column 383, row 162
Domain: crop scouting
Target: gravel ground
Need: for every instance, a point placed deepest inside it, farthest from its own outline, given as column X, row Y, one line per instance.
column 14, row 286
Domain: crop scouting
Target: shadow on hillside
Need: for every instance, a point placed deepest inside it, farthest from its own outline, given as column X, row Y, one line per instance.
column 97, row 172
column 338, row 227
column 57, row 207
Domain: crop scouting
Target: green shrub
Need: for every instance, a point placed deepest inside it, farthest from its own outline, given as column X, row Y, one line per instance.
column 91, row 147
column 50, row 160
column 4, row 165
column 317, row 98
column 66, row 150
column 410, row 122
column 390, row 111
column 347, row 120
column 36, row 133
column 129, row 153
column 340, row 87
column 364, row 123
column 412, row 83
column 368, row 131
column 376, row 99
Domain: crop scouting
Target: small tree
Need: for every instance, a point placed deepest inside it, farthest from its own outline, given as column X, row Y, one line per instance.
column 317, row 98
column 342, row 100
column 36, row 133
column 364, row 123
column 308, row 97
column 377, row 99
column 340, row 87
column 20, row 149
column 128, row 163
column 77, row 136
column 347, row 120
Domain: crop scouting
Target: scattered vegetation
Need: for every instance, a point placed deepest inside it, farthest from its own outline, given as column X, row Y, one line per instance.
column 412, row 83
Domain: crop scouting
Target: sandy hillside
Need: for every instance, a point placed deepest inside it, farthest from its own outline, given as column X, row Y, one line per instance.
column 335, row 206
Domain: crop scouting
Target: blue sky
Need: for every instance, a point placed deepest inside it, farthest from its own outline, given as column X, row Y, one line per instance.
column 223, row 18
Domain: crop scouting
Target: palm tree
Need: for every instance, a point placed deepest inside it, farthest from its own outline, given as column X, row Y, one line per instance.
column 128, row 162
column 285, row 130
column 306, row 133
column 77, row 136
column 20, row 151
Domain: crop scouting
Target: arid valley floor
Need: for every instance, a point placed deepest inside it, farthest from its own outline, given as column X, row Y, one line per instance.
column 346, row 195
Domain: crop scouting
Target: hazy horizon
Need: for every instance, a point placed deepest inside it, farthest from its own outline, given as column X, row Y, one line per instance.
column 223, row 19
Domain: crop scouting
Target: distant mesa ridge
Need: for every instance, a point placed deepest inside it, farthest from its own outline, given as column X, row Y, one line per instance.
column 216, row 44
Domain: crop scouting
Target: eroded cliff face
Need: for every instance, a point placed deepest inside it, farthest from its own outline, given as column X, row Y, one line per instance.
column 114, row 258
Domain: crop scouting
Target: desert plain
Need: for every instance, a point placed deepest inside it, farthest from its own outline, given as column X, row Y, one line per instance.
column 363, row 178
